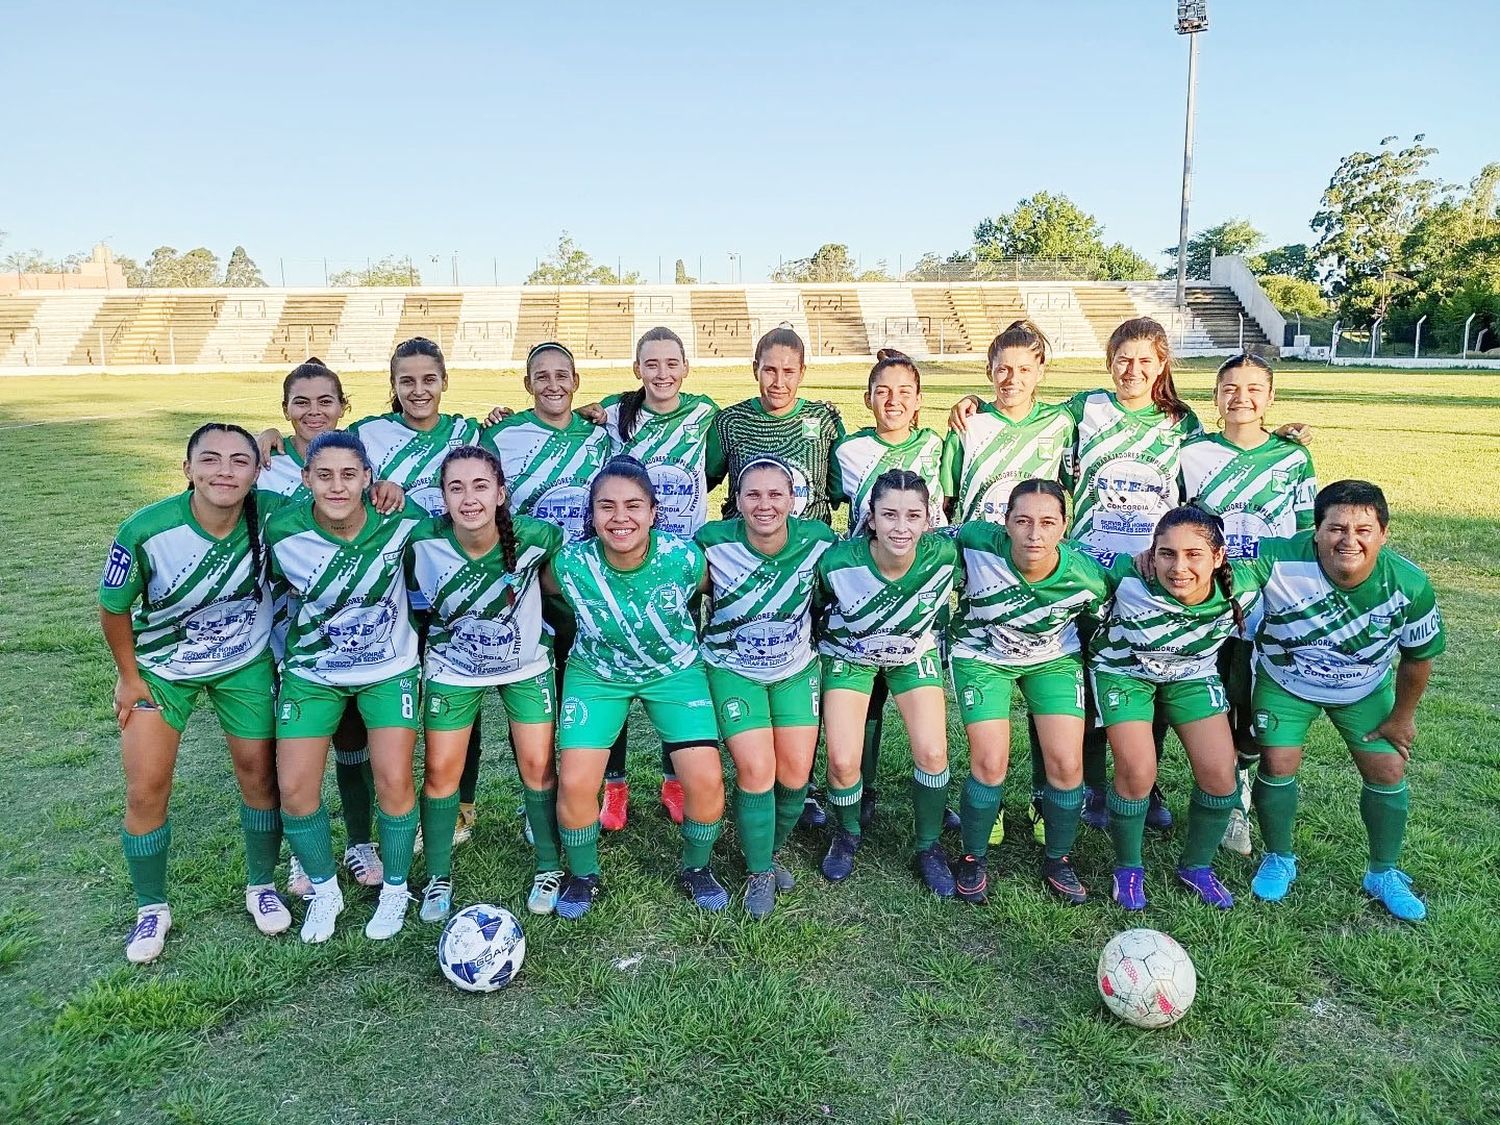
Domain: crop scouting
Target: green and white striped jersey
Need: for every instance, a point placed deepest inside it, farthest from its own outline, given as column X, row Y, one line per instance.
column 804, row 438
column 351, row 623
column 1004, row 619
column 682, row 456
column 1334, row 646
column 1261, row 493
column 204, row 610
column 1123, row 471
column 1150, row 635
column 486, row 626
column 633, row 625
column 414, row 458
column 984, row 463
column 760, row 606
column 280, row 479
column 548, row 470
column 860, row 457
column 874, row 620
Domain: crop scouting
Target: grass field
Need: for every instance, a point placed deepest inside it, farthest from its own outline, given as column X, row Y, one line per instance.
column 869, row 1002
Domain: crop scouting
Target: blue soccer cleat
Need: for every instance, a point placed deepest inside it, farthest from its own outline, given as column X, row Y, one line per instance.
column 1392, row 889
column 1276, row 875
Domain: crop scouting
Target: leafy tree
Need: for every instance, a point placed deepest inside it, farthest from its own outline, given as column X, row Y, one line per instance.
column 830, row 262
column 1054, row 228
column 1457, row 241
column 242, row 273
column 28, row 261
column 570, row 264
column 1292, row 260
column 1473, row 297
column 389, row 271
column 681, row 277
column 1232, row 236
column 166, row 269
column 1294, row 296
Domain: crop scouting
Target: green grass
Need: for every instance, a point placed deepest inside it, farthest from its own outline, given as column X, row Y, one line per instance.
column 867, row 1002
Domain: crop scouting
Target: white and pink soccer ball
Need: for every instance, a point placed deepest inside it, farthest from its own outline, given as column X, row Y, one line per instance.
column 1146, row 978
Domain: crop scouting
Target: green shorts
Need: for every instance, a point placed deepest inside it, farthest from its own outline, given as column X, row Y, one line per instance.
column 845, row 675
column 244, row 700
column 593, row 710
column 743, row 704
column 1125, row 699
column 1282, row 719
column 450, row 707
column 310, row 710
column 983, row 690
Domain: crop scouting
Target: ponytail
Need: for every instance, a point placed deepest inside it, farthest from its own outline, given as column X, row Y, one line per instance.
column 252, row 532
column 630, row 406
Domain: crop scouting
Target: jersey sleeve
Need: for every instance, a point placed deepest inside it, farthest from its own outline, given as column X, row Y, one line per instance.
column 125, row 572
column 836, row 491
column 715, row 465
column 1422, row 635
column 1305, row 492
column 952, row 464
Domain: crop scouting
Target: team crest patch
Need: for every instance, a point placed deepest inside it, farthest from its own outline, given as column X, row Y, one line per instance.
column 574, row 711
column 117, row 569
column 734, row 710
column 811, row 427
column 1265, row 721
column 291, row 711
column 1112, row 698
column 973, row 697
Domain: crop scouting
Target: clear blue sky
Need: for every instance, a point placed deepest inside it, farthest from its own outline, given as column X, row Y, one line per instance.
column 688, row 130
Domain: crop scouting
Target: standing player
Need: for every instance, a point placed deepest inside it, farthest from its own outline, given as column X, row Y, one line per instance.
column 194, row 563
column 1340, row 608
column 762, row 670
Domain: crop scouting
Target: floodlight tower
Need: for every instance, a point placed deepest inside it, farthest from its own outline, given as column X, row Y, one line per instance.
column 1192, row 17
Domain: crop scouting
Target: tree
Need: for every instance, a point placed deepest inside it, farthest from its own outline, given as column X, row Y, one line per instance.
column 242, row 273
column 1232, row 236
column 28, row 261
column 1294, row 296
column 1456, row 242
column 829, row 263
column 166, row 269
column 1474, row 298
column 1292, row 260
column 681, row 276
column 389, row 271
column 570, row 264
column 1053, row 228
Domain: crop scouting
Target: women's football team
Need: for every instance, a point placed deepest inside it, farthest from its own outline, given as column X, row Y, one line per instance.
column 1127, row 571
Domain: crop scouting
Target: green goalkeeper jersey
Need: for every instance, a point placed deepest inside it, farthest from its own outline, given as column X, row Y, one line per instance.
column 1261, row 493
column 984, row 463
column 682, row 456
column 547, row 469
column 803, row 438
column 859, row 458
column 1334, row 646
column 414, row 458
column 205, row 608
column 875, row 620
column 760, row 606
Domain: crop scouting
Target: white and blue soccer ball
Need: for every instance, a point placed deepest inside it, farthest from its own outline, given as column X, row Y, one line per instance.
column 481, row 948
column 1146, row 978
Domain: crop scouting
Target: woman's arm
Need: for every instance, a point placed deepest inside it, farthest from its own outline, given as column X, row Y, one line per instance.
column 130, row 688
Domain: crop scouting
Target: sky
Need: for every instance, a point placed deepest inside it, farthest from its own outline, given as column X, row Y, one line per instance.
column 706, row 131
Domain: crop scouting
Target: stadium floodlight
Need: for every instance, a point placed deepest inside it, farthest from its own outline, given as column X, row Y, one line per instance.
column 1192, row 17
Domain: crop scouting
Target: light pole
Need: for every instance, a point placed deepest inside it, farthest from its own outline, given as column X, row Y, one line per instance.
column 1192, row 17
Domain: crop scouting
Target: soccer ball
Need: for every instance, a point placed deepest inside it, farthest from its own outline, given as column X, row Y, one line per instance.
column 1146, row 978
column 481, row 948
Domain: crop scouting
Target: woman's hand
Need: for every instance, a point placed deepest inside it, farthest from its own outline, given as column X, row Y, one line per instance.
column 964, row 409
column 130, row 693
column 1300, row 432
column 387, row 497
column 271, row 443
column 594, row 413
column 497, row 415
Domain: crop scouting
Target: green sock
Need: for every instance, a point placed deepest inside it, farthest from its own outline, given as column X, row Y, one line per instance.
column 978, row 810
column 1095, row 759
column 146, row 858
column 845, row 804
column 1207, row 818
column 582, row 846
column 398, row 836
column 1384, row 808
column 351, row 772
column 755, row 819
column 1127, row 824
column 439, row 819
column 789, row 804
column 698, row 842
column 1060, row 808
column 869, row 760
column 929, row 800
column 1038, row 763
column 311, row 841
column 541, row 813
column 1275, row 800
column 262, row 829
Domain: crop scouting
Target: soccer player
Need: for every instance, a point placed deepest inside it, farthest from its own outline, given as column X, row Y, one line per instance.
column 1158, row 652
column 632, row 588
column 351, row 638
column 1023, row 594
column 478, row 568
column 883, row 592
column 762, row 671
column 1341, row 607
column 1263, row 486
column 194, row 563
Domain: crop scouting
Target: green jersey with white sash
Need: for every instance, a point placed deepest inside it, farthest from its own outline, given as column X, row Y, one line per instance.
column 547, row 469
column 633, row 625
column 860, row 457
column 875, row 620
column 984, row 463
column 1004, row 619
column 682, row 456
column 280, row 480
column 1261, row 493
column 204, row 608
column 760, row 616
column 351, row 622
column 486, row 625
column 1150, row 635
column 1334, row 646
column 803, row 438
column 414, row 458
column 1123, row 471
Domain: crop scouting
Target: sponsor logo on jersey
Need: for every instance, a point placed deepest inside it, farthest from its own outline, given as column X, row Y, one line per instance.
column 766, row 644
column 483, row 647
column 1166, row 666
column 1327, row 666
column 117, row 568
column 811, row 428
column 565, row 505
column 358, row 634
column 219, row 631
column 885, row 647
column 1423, row 630
column 430, row 498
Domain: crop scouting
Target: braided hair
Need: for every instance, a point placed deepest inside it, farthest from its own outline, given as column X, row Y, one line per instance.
column 1211, row 527
column 504, row 526
column 619, row 467
column 251, row 509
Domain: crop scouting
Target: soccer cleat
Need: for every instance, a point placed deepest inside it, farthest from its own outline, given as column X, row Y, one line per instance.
column 1237, row 834
column 971, row 880
column 526, row 833
column 390, row 913
column 1129, row 888
column 1095, row 812
column 298, row 885
column 1060, row 877
column 323, row 908
column 672, row 799
column 699, row 884
column 785, row 880
column 545, row 887
column 1205, row 884
column 867, row 802
column 813, row 815
column 149, row 934
column 363, row 862
column 838, row 863
column 997, row 833
column 578, row 894
column 932, row 868
column 1392, row 889
column 760, row 894
column 268, row 911
column 616, row 808
column 463, row 830
column 437, row 900
column 1034, row 818
column 1158, row 816
column 417, row 843
column 952, row 822
column 1275, row 877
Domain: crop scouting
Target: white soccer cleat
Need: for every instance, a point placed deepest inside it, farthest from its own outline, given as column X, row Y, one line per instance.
column 268, row 911
column 149, row 935
column 1237, row 833
column 463, row 829
column 298, row 885
column 390, row 913
column 323, row 910
column 363, row 862
column 544, row 891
